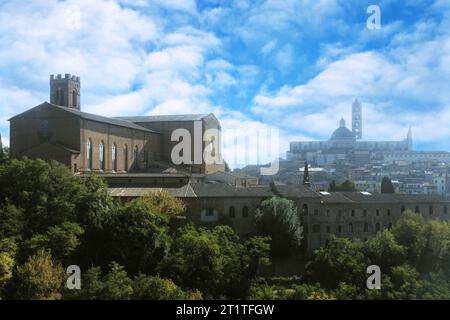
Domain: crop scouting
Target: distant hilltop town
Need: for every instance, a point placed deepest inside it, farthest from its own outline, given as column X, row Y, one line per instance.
column 346, row 145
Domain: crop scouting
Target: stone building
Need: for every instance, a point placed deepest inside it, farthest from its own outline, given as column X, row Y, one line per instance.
column 356, row 215
column 59, row 130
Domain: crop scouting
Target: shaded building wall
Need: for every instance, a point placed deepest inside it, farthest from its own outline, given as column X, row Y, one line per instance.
column 359, row 221
column 242, row 224
column 166, row 128
column 148, row 146
column 43, row 125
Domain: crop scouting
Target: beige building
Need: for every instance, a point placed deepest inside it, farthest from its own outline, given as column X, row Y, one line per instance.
column 356, row 215
column 59, row 130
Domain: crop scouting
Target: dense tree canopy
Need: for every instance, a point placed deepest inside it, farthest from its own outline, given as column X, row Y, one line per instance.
column 140, row 249
column 145, row 248
column 277, row 218
column 346, row 186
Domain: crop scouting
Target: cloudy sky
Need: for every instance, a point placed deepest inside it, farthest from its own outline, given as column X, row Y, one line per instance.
column 291, row 65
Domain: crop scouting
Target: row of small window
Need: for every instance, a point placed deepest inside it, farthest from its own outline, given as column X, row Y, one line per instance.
column 102, row 152
column 317, row 228
column 231, row 212
column 365, row 211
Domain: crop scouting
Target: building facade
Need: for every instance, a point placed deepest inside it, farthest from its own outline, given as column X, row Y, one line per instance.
column 355, row 215
column 347, row 145
column 59, row 130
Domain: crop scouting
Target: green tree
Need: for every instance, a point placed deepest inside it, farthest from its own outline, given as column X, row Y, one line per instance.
column 277, row 218
column 4, row 154
column 156, row 288
column 61, row 240
column 91, row 286
column 406, row 282
column 384, row 251
column 341, row 260
column 409, row 231
column 346, row 186
column 214, row 262
column 258, row 250
column 8, row 249
column 39, row 278
column 49, row 194
column 116, row 284
column 137, row 236
column 387, row 186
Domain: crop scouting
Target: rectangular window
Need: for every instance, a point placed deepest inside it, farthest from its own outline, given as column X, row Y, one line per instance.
column 209, row 212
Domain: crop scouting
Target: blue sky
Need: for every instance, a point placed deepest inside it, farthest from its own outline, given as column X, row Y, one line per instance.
column 292, row 65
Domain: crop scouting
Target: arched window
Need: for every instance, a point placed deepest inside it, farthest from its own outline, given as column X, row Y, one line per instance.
column 377, row 227
column 89, row 154
column 350, row 227
column 125, row 158
column 305, row 209
column 74, row 98
column 232, row 212
column 136, row 157
column 366, row 227
column 114, row 157
column 101, row 154
column 245, row 212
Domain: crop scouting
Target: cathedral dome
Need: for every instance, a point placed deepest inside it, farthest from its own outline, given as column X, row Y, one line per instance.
column 342, row 133
column 342, row 138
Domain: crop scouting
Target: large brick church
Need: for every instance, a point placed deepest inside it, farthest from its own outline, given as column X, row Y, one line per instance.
column 59, row 130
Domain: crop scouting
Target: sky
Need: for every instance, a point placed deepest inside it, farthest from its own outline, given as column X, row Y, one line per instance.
column 292, row 66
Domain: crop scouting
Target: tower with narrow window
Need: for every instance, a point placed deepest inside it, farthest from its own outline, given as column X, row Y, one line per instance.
column 65, row 91
column 357, row 119
column 409, row 139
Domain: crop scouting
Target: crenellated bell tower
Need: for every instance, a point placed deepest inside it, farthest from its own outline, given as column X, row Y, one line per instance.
column 65, row 91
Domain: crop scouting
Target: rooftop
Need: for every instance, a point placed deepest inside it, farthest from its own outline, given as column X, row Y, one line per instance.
column 165, row 118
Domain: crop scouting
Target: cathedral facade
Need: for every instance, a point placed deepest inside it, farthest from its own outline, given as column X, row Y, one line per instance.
column 345, row 144
column 59, row 130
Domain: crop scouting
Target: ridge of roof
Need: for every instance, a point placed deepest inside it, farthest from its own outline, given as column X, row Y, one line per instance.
column 93, row 117
column 157, row 118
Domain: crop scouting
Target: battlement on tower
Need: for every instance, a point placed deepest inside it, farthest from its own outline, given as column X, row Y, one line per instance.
column 65, row 90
